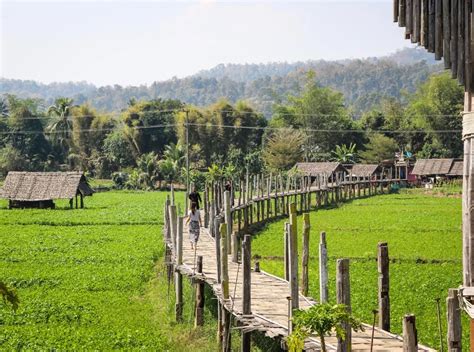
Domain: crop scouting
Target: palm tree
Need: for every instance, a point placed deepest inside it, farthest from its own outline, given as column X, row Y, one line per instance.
column 60, row 126
column 345, row 154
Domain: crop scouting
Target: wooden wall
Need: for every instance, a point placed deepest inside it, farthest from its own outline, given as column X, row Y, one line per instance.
column 445, row 28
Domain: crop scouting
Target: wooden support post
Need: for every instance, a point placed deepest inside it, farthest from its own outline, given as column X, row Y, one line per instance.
column 246, row 288
column 226, row 326
column 172, row 195
column 228, row 219
column 293, row 255
column 224, row 261
column 177, row 274
column 76, row 202
column 323, row 269
column 286, row 254
column 167, row 219
column 343, row 293
column 174, row 225
column 384, row 286
column 410, row 339
column 206, row 208
column 235, row 247
column 217, row 238
column 305, row 256
column 247, row 279
column 453, row 315
column 81, row 200
column 200, row 297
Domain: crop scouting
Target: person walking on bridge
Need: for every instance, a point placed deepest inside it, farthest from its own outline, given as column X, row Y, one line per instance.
column 194, row 221
column 195, row 197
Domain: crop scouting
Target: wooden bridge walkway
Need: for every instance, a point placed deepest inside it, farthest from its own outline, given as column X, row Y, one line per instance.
column 269, row 301
column 269, row 294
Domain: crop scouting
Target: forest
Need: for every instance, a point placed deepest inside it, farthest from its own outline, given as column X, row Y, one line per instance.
column 364, row 83
column 144, row 143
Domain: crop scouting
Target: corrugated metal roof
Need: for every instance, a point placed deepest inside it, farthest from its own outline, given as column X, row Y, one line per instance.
column 38, row 186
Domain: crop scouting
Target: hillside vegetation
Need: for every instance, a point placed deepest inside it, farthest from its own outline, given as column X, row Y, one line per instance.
column 364, row 82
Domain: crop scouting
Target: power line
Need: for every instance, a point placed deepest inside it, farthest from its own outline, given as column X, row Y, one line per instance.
column 261, row 128
column 237, row 112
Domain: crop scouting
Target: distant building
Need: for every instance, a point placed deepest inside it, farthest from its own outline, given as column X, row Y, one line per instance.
column 360, row 171
column 448, row 168
column 40, row 189
column 333, row 170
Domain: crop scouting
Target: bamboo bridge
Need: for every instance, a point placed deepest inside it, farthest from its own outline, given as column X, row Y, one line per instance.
column 256, row 300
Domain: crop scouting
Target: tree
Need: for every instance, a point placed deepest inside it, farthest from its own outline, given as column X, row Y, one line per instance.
column 283, row 149
column 60, row 126
column 117, row 150
column 379, row 148
column 11, row 160
column 148, row 170
column 321, row 113
column 435, row 108
column 320, row 320
column 148, row 125
column 345, row 154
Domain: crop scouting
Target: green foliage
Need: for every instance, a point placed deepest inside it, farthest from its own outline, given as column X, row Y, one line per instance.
column 364, row 83
column 283, row 149
column 9, row 295
column 379, row 148
column 425, row 244
column 345, row 154
column 321, row 320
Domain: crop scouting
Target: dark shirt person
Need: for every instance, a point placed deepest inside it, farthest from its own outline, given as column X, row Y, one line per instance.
column 195, row 197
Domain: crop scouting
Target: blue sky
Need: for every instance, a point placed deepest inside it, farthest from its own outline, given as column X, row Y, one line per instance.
column 131, row 43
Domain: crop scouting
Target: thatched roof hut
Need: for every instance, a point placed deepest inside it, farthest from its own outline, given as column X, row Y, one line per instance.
column 39, row 189
column 364, row 170
column 318, row 168
column 438, row 167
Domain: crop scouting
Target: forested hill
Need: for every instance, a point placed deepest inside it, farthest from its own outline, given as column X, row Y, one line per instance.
column 363, row 82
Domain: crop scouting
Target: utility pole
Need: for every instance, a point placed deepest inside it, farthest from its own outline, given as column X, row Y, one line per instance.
column 187, row 158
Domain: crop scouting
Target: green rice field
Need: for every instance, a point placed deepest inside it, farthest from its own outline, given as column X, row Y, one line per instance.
column 423, row 232
column 94, row 279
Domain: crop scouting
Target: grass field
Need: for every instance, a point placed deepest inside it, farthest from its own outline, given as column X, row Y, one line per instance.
column 93, row 279
column 88, row 280
column 424, row 237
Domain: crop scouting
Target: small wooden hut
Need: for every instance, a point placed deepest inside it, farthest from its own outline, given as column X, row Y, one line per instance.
column 333, row 170
column 40, row 189
column 360, row 171
column 446, row 168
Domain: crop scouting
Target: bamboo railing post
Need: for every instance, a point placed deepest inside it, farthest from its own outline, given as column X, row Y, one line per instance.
column 410, row 339
column 323, row 269
column 167, row 218
column 246, row 288
column 174, row 225
column 177, row 274
column 217, row 238
column 224, row 261
column 206, row 207
column 384, row 286
column 286, row 254
column 228, row 219
column 305, row 256
column 293, row 255
column 172, row 195
column 343, row 293
column 200, row 297
column 453, row 315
